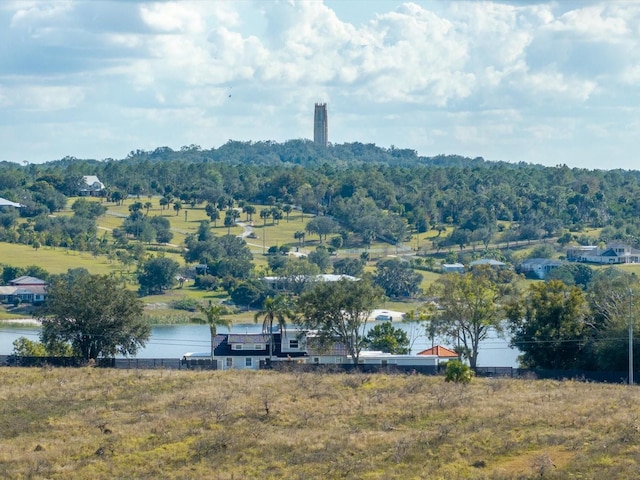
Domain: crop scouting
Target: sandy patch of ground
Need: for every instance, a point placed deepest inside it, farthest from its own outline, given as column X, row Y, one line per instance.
column 27, row 321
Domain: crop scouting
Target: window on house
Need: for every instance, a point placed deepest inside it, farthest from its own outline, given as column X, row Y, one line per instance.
column 248, row 362
column 258, row 346
column 237, row 346
column 229, row 362
column 316, row 360
column 293, row 344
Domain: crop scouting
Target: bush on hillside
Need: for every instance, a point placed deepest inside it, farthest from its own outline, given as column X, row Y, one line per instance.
column 458, row 372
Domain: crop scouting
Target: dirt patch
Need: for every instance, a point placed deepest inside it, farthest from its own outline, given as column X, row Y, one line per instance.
column 536, row 463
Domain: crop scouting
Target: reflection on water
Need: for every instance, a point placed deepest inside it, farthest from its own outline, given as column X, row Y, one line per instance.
column 173, row 341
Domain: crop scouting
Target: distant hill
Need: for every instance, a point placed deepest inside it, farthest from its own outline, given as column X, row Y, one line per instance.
column 300, row 152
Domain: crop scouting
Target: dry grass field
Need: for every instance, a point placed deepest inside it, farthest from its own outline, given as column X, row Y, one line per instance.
column 112, row 424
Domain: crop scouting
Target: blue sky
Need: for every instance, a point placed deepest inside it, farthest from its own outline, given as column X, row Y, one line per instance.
column 519, row 81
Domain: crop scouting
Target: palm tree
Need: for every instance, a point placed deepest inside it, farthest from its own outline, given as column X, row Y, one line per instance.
column 264, row 214
column 274, row 309
column 287, row 210
column 214, row 318
column 228, row 221
column 249, row 210
column 299, row 235
column 177, row 206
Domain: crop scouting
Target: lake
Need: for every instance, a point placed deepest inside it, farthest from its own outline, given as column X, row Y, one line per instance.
column 173, row 341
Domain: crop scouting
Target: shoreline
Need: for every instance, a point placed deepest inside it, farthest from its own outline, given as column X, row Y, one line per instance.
column 21, row 321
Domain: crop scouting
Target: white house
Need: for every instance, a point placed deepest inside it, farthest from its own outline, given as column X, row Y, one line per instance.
column 612, row 254
column 245, row 351
column 8, row 203
column 250, row 351
column 540, row 267
column 452, row 268
column 487, row 261
column 90, row 186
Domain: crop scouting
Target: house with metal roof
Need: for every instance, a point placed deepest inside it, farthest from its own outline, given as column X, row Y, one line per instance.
column 8, row 203
column 487, row 261
column 246, row 351
column 539, row 267
column 611, row 254
column 24, row 289
column 90, row 186
column 452, row 268
column 250, row 351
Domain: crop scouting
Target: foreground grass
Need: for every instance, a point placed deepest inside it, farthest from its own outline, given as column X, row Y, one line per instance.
column 94, row 424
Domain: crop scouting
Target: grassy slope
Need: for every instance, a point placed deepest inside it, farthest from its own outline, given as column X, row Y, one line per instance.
column 282, row 233
column 59, row 260
column 104, row 424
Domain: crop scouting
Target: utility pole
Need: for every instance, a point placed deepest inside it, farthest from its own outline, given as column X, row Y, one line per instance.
column 630, row 336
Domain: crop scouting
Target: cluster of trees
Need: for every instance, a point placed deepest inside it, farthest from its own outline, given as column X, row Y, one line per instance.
column 560, row 326
column 77, row 321
column 138, row 225
column 88, row 316
column 11, row 272
column 554, row 324
column 362, row 192
column 359, row 193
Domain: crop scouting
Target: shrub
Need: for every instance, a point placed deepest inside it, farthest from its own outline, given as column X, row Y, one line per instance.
column 206, row 282
column 185, row 303
column 458, row 372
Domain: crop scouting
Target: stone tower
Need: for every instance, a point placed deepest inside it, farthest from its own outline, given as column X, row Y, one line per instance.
column 321, row 125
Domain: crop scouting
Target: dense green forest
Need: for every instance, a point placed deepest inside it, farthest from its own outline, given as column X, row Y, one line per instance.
column 371, row 193
column 357, row 194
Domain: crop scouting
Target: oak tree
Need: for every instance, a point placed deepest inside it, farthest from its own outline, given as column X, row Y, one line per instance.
column 95, row 314
column 338, row 311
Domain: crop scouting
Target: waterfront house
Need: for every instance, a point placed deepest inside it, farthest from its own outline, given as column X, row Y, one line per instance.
column 250, row 351
column 539, row 267
column 24, row 289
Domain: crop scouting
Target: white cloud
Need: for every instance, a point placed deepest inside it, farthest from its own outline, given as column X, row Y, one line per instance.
column 557, row 84
column 596, row 22
column 631, row 75
column 172, row 17
column 34, row 15
column 476, row 78
column 42, row 98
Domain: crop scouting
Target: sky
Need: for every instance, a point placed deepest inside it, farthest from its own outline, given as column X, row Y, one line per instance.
column 519, row 81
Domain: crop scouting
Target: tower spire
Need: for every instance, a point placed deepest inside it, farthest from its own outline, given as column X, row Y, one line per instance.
column 321, row 125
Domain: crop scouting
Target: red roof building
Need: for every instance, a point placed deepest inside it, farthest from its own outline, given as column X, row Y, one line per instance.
column 440, row 352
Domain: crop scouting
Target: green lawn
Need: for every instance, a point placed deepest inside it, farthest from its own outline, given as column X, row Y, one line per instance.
column 55, row 260
column 186, row 222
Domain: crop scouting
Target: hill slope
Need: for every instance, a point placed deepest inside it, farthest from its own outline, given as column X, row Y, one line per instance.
column 94, row 424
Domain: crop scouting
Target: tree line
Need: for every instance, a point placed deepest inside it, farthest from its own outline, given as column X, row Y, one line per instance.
column 554, row 325
column 360, row 194
column 371, row 193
